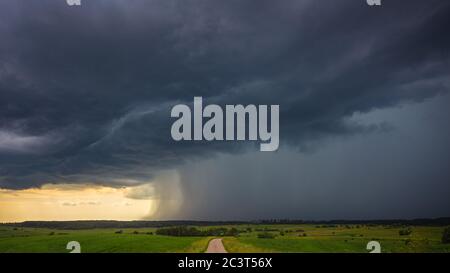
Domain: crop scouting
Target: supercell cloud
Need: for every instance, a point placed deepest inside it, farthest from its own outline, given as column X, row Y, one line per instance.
column 86, row 93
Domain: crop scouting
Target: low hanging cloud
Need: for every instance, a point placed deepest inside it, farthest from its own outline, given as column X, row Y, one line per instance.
column 74, row 204
column 15, row 143
column 102, row 77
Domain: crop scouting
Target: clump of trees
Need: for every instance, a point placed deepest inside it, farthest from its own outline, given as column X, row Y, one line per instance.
column 446, row 236
column 179, row 231
column 266, row 235
column 405, row 231
column 266, row 229
column 327, row 226
column 232, row 232
column 193, row 231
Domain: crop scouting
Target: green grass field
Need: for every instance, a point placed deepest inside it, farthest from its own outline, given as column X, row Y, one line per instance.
column 288, row 238
column 340, row 239
column 95, row 240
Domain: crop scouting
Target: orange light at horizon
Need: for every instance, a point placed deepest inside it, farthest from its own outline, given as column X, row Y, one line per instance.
column 72, row 202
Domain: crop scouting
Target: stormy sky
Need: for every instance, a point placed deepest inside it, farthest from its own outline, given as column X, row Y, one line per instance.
column 86, row 94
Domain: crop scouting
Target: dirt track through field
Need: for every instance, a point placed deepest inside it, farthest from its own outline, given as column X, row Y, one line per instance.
column 216, row 246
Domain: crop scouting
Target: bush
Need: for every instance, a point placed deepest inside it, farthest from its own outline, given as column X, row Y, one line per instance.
column 446, row 236
column 405, row 232
column 270, row 229
column 266, row 235
column 232, row 232
column 119, row 232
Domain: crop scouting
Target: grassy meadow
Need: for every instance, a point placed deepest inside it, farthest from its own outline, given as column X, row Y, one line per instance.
column 340, row 239
column 283, row 238
column 95, row 240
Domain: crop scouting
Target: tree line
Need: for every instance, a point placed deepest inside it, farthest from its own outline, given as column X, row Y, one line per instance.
column 193, row 231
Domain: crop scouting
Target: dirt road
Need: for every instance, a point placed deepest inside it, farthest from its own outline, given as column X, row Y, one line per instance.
column 216, row 246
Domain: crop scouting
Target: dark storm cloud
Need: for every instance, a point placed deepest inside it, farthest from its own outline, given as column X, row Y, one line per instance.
column 402, row 173
column 86, row 92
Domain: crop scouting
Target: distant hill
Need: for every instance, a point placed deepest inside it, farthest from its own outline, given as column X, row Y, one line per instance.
column 89, row 224
column 443, row 221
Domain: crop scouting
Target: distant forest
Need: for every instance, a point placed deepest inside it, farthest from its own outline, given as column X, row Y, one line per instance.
column 158, row 224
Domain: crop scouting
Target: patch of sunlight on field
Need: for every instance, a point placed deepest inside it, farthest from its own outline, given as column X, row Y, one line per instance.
column 234, row 245
column 198, row 246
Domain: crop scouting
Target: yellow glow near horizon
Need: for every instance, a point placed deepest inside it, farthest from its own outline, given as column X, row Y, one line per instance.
column 72, row 202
